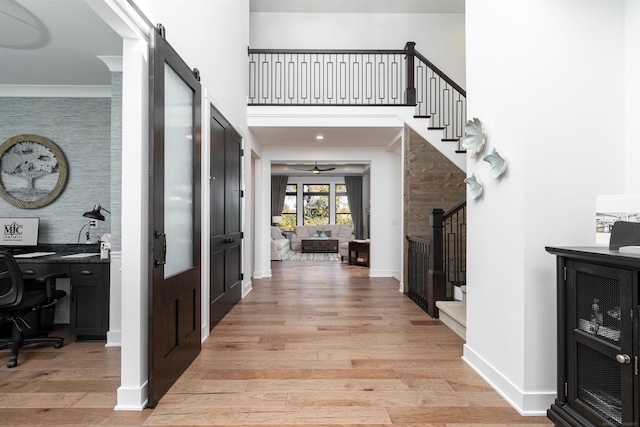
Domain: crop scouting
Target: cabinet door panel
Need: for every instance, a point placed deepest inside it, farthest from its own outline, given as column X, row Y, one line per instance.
column 89, row 300
column 599, row 330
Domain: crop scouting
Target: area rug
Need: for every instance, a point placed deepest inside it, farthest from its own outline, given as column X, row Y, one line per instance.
column 299, row 256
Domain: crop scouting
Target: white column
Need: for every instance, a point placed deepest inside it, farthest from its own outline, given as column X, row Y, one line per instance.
column 132, row 393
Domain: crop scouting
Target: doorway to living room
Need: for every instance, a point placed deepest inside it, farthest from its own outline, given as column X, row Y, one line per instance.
column 317, row 208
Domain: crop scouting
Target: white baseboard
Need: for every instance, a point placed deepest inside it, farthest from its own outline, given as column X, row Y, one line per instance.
column 526, row 403
column 114, row 339
column 261, row 274
column 380, row 273
column 247, row 287
column 396, row 275
column 132, row 398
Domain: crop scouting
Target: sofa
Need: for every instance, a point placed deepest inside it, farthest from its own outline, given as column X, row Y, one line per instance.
column 343, row 233
column 280, row 245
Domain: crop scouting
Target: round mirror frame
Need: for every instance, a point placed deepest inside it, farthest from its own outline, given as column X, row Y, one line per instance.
column 63, row 171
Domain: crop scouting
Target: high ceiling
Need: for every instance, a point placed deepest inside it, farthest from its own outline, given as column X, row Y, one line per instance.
column 58, row 42
column 54, row 42
column 359, row 6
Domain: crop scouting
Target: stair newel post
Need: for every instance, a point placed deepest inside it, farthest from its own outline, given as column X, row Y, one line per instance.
column 436, row 280
column 410, row 95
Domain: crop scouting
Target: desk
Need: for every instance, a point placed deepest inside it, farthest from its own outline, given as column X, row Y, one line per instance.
column 89, row 277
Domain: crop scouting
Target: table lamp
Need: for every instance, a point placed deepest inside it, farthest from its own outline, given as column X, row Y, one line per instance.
column 93, row 214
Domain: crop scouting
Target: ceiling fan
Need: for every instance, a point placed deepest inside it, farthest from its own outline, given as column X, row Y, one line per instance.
column 316, row 169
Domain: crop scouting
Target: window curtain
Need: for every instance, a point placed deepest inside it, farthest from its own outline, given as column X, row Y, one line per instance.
column 354, row 193
column 278, row 192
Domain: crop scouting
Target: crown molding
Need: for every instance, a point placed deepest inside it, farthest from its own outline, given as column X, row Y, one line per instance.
column 55, row 91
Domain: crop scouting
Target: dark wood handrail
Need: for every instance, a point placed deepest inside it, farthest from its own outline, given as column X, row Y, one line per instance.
column 442, row 75
column 454, row 209
column 331, row 51
column 418, row 239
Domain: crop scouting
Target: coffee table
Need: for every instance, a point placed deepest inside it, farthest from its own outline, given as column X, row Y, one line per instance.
column 324, row 245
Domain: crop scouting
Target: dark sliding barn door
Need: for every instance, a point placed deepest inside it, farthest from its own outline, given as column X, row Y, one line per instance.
column 174, row 265
column 226, row 228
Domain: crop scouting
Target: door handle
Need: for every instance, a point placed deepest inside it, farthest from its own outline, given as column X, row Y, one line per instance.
column 623, row 358
column 163, row 261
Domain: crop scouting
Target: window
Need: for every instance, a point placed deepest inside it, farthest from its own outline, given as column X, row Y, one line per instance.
column 316, row 204
column 343, row 212
column 290, row 208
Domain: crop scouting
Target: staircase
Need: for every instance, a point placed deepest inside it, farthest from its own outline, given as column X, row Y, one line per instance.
column 396, row 78
column 454, row 314
column 385, row 78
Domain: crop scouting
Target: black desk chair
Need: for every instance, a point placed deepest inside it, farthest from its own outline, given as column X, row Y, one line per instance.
column 28, row 305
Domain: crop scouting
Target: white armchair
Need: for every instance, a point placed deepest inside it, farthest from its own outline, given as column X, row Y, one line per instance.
column 280, row 245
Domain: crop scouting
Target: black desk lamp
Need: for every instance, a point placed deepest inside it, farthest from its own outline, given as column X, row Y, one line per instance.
column 93, row 214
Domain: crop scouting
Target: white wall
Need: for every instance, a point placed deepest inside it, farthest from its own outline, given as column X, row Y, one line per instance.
column 211, row 36
column 386, row 202
column 632, row 90
column 547, row 79
column 439, row 37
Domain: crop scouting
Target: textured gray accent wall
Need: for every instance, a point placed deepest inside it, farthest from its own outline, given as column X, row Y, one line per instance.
column 81, row 127
column 116, row 161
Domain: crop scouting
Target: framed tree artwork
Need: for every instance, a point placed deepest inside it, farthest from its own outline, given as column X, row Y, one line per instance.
column 33, row 171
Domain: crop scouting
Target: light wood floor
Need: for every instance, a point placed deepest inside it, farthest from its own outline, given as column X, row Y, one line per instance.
column 318, row 344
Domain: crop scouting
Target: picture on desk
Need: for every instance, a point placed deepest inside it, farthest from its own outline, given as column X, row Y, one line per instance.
column 19, row 231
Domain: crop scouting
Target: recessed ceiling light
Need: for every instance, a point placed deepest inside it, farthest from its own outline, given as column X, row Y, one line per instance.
column 319, row 137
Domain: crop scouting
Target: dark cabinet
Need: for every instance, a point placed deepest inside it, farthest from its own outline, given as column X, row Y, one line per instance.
column 597, row 301
column 88, row 295
column 89, row 318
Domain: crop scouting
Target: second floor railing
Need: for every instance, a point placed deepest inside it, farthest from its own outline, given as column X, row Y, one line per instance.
column 356, row 78
column 326, row 77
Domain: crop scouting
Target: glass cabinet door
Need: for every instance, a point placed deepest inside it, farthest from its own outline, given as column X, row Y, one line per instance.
column 600, row 354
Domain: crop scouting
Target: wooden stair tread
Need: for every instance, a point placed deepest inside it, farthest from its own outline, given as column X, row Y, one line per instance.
column 457, row 310
column 454, row 315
